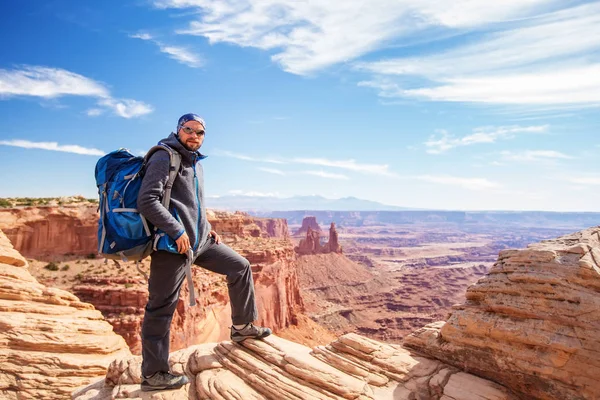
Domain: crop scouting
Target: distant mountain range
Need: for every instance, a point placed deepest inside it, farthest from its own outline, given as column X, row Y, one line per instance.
column 256, row 203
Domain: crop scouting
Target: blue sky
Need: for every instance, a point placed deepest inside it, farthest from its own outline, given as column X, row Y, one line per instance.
column 417, row 103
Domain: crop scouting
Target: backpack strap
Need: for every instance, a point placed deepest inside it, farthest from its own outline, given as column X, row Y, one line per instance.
column 174, row 165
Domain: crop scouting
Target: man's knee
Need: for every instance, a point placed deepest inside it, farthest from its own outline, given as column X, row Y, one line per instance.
column 240, row 267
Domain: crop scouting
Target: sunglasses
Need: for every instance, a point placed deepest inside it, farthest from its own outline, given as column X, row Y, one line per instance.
column 190, row 131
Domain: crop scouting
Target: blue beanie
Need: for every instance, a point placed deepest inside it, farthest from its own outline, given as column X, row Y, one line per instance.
column 189, row 117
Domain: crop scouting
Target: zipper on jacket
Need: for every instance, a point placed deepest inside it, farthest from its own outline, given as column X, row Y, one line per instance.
column 198, row 202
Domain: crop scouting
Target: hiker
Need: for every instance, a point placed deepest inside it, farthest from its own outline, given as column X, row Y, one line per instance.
column 180, row 229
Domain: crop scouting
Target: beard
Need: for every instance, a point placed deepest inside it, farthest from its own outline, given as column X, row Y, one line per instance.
column 189, row 145
column 192, row 146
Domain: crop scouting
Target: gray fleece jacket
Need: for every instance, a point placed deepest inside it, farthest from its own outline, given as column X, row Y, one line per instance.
column 186, row 211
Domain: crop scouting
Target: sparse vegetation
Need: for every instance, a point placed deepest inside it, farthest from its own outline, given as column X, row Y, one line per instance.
column 51, row 266
column 65, row 267
column 79, row 276
column 91, row 256
column 128, row 285
column 10, row 202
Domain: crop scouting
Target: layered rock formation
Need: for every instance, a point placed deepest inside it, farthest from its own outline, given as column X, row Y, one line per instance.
column 72, row 228
column 352, row 367
column 308, row 222
column 43, row 231
column 50, row 342
column 243, row 225
column 312, row 243
column 532, row 324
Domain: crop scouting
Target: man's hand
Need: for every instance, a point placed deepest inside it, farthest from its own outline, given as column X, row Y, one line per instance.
column 216, row 236
column 183, row 243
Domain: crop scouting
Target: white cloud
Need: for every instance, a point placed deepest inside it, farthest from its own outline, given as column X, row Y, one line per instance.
column 352, row 165
column 127, row 108
column 467, row 183
column 445, row 142
column 534, row 155
column 47, row 82
column 561, row 47
column 67, row 148
column 272, row 171
column 141, row 35
column 247, row 158
column 307, row 36
column 328, row 175
column 555, row 35
column 577, row 85
column 180, row 54
column 584, row 180
column 94, row 112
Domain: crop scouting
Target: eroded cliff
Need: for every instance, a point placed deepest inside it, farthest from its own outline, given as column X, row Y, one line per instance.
column 50, row 342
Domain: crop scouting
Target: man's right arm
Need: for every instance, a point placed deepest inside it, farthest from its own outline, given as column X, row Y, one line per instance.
column 150, row 195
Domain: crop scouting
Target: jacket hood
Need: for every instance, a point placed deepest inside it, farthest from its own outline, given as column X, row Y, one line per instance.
column 190, row 156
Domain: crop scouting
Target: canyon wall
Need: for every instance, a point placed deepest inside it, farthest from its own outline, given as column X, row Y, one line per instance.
column 50, row 341
column 533, row 323
column 39, row 232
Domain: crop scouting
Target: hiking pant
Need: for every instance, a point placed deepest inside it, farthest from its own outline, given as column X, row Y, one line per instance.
column 167, row 274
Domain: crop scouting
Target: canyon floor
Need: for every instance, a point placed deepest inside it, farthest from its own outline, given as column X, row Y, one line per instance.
column 395, row 278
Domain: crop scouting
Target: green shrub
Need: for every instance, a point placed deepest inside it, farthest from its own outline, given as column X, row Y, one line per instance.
column 128, row 285
column 65, row 267
column 79, row 276
column 51, row 266
column 5, row 203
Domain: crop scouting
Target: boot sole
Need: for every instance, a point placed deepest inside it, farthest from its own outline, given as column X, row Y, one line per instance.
column 147, row 388
column 241, row 339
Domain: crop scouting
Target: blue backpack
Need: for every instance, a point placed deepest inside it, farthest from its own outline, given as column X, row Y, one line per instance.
column 123, row 233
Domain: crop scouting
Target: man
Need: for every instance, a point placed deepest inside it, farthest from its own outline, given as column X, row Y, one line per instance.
column 180, row 228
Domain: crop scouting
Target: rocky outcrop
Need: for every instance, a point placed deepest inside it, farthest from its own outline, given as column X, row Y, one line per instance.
column 42, row 231
column 352, row 367
column 308, row 222
column 532, row 324
column 51, row 342
column 122, row 299
column 311, row 244
column 243, row 225
column 333, row 245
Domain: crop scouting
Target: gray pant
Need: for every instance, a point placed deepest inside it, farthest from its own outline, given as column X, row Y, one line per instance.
column 167, row 274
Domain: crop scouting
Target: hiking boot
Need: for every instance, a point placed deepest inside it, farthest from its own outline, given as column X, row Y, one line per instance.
column 163, row 381
column 249, row 332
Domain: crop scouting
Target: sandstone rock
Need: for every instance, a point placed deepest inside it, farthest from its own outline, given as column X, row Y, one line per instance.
column 333, row 246
column 8, row 255
column 244, row 225
column 352, row 367
column 50, row 342
column 308, row 222
column 42, row 231
column 532, row 324
column 311, row 244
